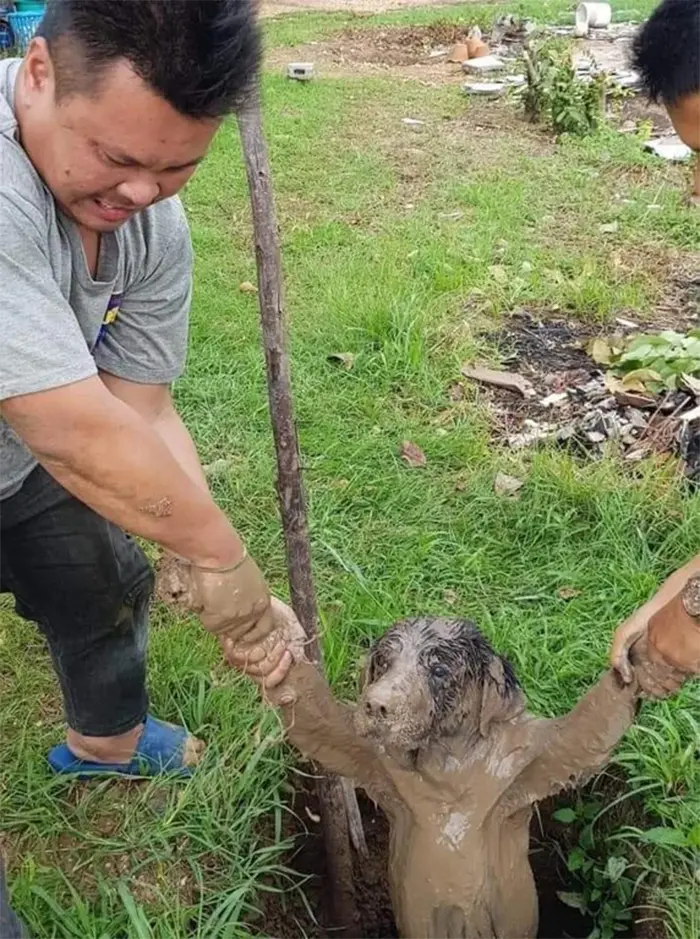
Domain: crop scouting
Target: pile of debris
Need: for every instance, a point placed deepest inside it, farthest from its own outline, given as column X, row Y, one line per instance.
column 560, row 395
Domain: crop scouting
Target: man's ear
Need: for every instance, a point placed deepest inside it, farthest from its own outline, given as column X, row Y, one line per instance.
column 497, row 704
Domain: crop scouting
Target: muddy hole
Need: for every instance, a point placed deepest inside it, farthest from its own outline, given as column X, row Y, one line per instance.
column 288, row 916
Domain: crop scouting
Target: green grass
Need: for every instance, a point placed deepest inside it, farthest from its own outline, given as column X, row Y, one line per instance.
column 375, row 268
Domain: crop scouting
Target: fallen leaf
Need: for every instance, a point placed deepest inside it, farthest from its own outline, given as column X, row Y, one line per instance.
column 511, row 381
column 692, row 384
column 345, row 359
column 217, row 467
column 632, row 399
column 568, row 593
column 247, row 287
column 640, row 375
column 499, row 273
column 412, row 455
column 504, row 485
column 450, row 597
column 600, row 351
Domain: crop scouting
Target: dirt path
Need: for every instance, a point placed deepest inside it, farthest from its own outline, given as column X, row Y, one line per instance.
column 278, row 7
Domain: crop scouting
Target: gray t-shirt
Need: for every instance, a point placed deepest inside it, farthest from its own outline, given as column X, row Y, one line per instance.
column 60, row 325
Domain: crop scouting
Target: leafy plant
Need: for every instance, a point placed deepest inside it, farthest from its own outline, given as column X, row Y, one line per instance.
column 555, row 94
column 655, row 363
column 605, row 889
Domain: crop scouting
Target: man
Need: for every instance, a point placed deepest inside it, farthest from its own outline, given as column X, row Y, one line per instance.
column 666, row 53
column 102, row 122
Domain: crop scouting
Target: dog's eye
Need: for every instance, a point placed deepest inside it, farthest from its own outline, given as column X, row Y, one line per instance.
column 439, row 671
column 378, row 665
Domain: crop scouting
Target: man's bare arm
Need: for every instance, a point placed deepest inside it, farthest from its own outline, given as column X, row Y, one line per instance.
column 107, row 455
column 634, row 627
column 155, row 405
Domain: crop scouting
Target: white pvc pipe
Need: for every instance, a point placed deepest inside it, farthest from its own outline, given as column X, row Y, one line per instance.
column 595, row 15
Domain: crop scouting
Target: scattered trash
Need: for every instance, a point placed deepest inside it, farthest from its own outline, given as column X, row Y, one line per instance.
column 508, row 380
column 583, row 405
column 487, row 89
column 300, row 71
column 509, row 486
column 345, row 359
column 412, row 455
column 609, row 229
column 487, row 63
column 555, row 400
column 247, row 287
column 669, row 148
column 412, row 122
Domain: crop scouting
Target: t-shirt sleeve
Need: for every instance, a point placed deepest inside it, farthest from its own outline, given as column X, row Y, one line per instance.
column 41, row 343
column 147, row 343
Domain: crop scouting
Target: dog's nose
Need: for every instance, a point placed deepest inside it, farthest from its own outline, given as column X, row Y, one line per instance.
column 379, row 703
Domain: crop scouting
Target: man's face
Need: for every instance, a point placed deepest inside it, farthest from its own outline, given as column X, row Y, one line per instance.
column 108, row 153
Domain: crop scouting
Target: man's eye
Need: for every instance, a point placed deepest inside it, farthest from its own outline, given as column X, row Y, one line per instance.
column 439, row 671
column 112, row 161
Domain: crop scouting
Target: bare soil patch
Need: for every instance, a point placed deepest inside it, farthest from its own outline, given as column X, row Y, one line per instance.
column 270, row 8
column 404, row 51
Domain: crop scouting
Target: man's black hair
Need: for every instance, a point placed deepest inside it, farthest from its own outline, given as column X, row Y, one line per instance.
column 666, row 51
column 200, row 55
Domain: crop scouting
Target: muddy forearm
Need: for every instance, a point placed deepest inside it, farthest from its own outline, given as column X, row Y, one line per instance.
column 576, row 746
column 322, row 729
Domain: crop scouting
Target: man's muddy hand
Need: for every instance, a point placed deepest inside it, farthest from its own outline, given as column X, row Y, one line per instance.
column 269, row 660
column 655, row 676
column 232, row 603
column 626, row 635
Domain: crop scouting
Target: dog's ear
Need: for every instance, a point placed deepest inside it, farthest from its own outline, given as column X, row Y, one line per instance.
column 364, row 671
column 497, row 702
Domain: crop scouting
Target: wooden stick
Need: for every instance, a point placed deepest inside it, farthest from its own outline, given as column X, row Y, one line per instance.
column 334, row 816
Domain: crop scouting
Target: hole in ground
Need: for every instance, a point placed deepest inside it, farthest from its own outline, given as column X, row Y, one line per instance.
column 288, row 915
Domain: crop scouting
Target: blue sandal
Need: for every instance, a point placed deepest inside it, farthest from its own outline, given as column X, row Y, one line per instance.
column 159, row 750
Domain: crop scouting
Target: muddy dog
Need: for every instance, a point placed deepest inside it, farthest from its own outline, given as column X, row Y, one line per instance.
column 442, row 740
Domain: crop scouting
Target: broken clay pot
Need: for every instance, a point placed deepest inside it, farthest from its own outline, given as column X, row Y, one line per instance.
column 477, row 48
column 459, row 53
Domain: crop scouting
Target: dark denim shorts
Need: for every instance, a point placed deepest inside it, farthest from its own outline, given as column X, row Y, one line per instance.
column 87, row 585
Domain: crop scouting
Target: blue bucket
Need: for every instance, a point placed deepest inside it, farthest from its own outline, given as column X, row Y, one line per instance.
column 23, row 26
